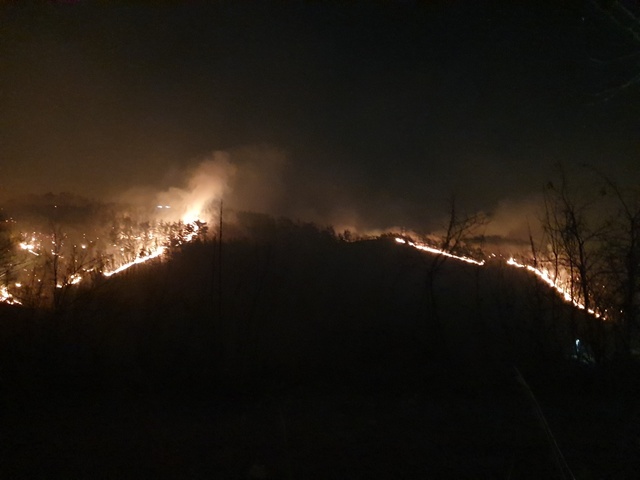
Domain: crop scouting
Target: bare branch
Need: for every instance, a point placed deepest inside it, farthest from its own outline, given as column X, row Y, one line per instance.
column 626, row 21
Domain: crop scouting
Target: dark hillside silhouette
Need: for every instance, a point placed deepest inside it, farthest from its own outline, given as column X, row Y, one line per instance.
column 316, row 364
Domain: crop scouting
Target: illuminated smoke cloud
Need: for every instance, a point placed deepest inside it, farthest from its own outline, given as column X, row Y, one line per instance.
column 259, row 183
column 263, row 179
column 207, row 185
column 513, row 219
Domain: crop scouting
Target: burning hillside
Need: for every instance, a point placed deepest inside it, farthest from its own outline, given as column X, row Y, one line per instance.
column 556, row 278
column 63, row 240
column 52, row 242
column 56, row 241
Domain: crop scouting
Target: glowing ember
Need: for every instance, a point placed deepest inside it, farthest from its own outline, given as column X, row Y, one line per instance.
column 29, row 247
column 6, row 297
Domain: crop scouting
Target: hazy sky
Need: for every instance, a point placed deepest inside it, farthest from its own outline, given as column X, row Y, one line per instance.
column 379, row 110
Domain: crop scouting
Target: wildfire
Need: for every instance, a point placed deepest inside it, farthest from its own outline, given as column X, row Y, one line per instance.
column 29, row 247
column 129, row 243
column 164, row 235
column 116, row 237
column 427, row 248
column 555, row 284
column 190, row 232
column 137, row 261
column 541, row 274
column 6, row 297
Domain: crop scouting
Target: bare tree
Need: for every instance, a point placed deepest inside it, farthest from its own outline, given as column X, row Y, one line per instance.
column 595, row 248
column 622, row 19
column 621, row 274
column 574, row 238
column 54, row 264
column 459, row 229
column 7, row 252
column 66, row 263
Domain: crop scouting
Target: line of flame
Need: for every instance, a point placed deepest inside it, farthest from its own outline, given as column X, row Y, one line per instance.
column 546, row 278
column 542, row 275
column 437, row 251
column 160, row 251
column 6, row 297
column 137, row 261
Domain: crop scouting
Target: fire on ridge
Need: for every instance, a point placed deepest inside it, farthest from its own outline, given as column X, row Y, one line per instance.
column 558, row 284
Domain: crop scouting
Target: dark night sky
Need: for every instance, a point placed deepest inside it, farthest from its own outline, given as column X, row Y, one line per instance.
column 384, row 109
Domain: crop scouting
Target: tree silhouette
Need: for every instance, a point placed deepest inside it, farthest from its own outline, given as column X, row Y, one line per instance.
column 622, row 18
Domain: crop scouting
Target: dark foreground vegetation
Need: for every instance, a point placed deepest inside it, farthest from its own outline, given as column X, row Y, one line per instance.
column 289, row 353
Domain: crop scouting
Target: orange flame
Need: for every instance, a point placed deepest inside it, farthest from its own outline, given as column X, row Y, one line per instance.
column 556, row 285
column 543, row 275
column 437, row 251
column 137, row 261
column 6, row 297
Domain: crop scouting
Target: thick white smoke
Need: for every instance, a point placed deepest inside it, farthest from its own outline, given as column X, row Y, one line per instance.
column 207, row 184
column 245, row 179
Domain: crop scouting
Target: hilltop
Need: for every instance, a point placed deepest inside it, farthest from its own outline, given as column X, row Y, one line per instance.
column 287, row 352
